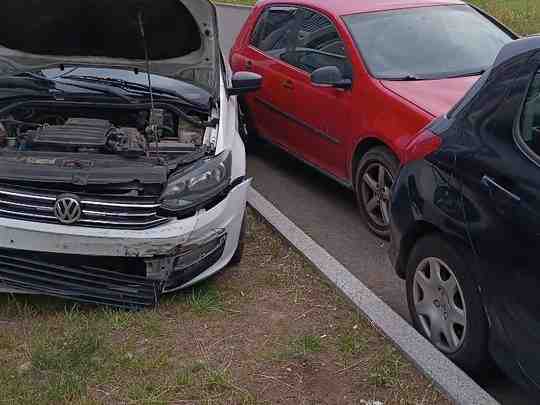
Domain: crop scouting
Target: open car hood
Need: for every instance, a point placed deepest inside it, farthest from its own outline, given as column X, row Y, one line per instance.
column 182, row 36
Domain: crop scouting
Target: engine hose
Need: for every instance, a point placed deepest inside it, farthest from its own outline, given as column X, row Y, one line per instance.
column 113, row 106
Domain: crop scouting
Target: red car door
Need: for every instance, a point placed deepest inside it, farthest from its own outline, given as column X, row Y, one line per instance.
column 262, row 53
column 321, row 117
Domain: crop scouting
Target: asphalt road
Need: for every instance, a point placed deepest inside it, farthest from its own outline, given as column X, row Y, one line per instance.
column 327, row 213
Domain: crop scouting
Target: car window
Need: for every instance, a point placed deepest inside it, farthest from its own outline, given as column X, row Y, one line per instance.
column 274, row 30
column 530, row 119
column 318, row 44
column 426, row 42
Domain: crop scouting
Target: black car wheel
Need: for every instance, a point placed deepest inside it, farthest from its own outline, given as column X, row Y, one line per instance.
column 375, row 176
column 445, row 304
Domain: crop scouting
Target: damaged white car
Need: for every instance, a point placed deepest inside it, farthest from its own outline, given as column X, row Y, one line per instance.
column 122, row 173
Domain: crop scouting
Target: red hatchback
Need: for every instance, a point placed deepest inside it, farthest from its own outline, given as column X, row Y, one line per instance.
column 349, row 84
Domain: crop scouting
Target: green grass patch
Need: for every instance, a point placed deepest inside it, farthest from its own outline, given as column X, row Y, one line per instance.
column 300, row 347
column 352, row 344
column 522, row 16
column 387, row 370
column 204, row 299
column 60, row 365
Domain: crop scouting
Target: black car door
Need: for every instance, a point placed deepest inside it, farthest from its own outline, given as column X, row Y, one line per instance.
column 498, row 162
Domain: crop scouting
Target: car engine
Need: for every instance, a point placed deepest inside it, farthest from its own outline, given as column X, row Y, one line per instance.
column 85, row 135
column 128, row 135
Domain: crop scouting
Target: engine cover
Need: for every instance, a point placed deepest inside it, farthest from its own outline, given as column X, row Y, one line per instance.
column 75, row 134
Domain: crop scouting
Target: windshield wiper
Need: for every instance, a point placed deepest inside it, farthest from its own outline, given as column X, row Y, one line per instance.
column 413, row 78
column 468, row 74
column 38, row 77
column 127, row 85
column 109, row 80
column 404, row 78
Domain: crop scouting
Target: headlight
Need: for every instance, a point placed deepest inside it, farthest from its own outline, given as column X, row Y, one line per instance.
column 198, row 183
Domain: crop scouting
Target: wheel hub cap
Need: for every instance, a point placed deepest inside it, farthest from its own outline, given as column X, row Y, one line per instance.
column 376, row 185
column 440, row 304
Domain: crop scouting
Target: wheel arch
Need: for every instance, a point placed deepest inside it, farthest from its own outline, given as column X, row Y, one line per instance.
column 361, row 149
column 419, row 230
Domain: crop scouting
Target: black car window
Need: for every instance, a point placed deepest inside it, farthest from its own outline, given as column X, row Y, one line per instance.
column 273, row 32
column 530, row 119
column 318, row 44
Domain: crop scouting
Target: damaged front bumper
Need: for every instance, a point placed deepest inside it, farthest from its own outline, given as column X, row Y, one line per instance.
column 121, row 268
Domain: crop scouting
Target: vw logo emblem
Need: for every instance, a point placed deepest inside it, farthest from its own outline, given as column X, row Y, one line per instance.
column 67, row 209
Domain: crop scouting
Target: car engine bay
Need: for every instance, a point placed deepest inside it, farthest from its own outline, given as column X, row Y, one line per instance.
column 130, row 135
column 99, row 148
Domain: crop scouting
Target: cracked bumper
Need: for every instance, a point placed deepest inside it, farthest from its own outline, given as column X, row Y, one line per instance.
column 174, row 255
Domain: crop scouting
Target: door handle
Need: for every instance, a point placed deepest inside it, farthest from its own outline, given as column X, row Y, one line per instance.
column 288, row 84
column 492, row 184
column 249, row 65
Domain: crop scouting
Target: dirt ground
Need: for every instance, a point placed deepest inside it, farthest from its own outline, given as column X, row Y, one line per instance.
column 269, row 331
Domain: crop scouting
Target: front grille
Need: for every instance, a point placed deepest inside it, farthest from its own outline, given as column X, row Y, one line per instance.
column 56, row 276
column 117, row 212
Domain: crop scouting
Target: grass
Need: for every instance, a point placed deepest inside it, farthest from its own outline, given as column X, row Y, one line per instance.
column 58, row 363
column 300, row 347
column 205, row 299
column 185, row 377
column 352, row 344
column 522, row 16
column 213, row 344
column 387, row 370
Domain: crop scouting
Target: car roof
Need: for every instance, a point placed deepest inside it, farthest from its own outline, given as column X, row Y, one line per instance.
column 346, row 7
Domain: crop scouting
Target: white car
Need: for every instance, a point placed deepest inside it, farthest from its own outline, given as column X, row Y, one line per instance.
column 122, row 173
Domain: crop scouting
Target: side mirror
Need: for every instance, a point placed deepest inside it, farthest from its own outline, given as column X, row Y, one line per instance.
column 244, row 82
column 330, row 76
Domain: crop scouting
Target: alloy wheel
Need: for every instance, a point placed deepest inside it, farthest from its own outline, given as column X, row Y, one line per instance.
column 376, row 185
column 440, row 304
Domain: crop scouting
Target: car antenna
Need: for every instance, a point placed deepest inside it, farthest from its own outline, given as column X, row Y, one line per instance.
column 153, row 120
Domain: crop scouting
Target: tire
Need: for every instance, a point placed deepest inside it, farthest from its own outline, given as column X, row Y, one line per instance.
column 239, row 252
column 467, row 345
column 372, row 198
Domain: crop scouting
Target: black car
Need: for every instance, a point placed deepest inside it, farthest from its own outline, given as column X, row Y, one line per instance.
column 466, row 221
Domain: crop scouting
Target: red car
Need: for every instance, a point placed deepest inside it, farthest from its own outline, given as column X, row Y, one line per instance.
column 349, row 84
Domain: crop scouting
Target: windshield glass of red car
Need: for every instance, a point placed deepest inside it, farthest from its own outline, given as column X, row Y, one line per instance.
column 426, row 42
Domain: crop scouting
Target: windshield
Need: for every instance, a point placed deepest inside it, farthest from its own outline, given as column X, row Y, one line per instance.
column 426, row 42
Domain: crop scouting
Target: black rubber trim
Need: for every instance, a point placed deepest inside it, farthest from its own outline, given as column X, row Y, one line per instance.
column 179, row 278
column 304, row 124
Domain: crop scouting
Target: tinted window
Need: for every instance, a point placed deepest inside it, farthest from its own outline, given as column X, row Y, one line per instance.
column 426, row 42
column 273, row 31
column 530, row 120
column 318, row 44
